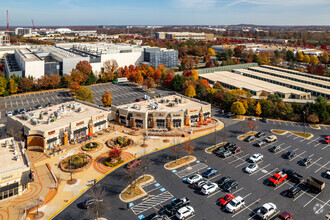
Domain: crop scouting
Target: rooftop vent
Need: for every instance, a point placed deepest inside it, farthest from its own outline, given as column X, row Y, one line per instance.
column 34, row 121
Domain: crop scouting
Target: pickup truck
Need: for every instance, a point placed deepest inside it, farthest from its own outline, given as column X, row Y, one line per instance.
column 293, row 175
column 133, row 163
column 315, row 184
column 277, row 178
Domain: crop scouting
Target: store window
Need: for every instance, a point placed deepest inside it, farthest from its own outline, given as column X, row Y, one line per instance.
column 177, row 123
column 161, row 123
column 138, row 123
column 194, row 118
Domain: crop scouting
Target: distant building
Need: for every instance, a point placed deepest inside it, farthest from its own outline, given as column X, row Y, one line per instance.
column 15, row 171
column 62, row 30
column 4, row 40
column 23, row 31
column 184, row 36
column 156, row 56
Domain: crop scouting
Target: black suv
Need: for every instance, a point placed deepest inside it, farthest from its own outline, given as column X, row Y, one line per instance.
column 180, row 202
column 289, row 155
column 260, row 134
column 274, row 149
column 229, row 145
column 293, row 175
column 229, row 186
column 250, row 138
column 221, row 182
column 306, row 161
column 218, row 150
column 293, row 191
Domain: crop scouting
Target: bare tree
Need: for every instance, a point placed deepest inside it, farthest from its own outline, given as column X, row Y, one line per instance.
column 110, row 67
column 144, row 165
column 98, row 208
column 132, row 175
column 176, row 150
column 224, row 135
column 188, row 148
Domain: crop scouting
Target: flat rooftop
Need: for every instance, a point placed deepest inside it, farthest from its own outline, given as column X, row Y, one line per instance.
column 11, row 155
column 244, row 82
column 68, row 115
column 27, row 55
column 108, row 48
column 42, row 50
column 285, row 81
column 163, row 105
column 305, row 79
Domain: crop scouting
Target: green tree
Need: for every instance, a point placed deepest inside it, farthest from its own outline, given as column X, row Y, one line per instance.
column 238, row 108
column 91, row 79
column 3, row 85
column 321, row 106
column 84, row 94
column 267, row 107
column 177, row 82
column 289, row 55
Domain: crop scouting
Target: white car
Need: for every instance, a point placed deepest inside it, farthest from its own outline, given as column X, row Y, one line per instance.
column 209, row 188
column 9, row 114
column 194, row 178
column 266, row 211
column 235, row 204
column 251, row 168
column 256, row 158
column 185, row 212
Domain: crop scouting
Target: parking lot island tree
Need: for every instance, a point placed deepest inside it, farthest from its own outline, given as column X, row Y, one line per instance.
column 106, row 98
column 313, row 118
column 188, row 148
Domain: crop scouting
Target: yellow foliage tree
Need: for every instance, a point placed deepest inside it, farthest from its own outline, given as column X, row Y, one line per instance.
column 324, row 57
column 139, row 77
column 190, row 91
column 300, row 56
column 12, row 86
column 314, row 60
column 194, row 74
column 3, row 85
column 106, row 98
column 306, row 59
column 257, row 109
column 238, row 108
column 211, row 52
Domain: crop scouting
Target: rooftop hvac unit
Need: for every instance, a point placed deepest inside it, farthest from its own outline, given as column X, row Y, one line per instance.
column 167, row 100
column 58, row 114
column 34, row 121
column 80, row 109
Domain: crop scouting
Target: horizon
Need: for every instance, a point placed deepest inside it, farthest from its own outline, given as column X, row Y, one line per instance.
column 166, row 12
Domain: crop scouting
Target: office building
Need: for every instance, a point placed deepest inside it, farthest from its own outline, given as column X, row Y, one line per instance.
column 184, row 36
column 15, row 171
column 156, row 56
column 23, row 31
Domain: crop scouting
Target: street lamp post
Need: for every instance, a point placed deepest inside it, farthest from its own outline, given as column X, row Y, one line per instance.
column 304, row 122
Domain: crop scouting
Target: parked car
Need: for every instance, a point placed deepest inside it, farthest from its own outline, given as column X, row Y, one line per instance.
column 226, row 199
column 271, row 138
column 223, row 181
column 229, row 145
column 289, row 155
column 170, row 210
column 226, row 153
column 256, row 157
column 199, row 184
column 236, row 149
column 293, row 175
column 253, row 118
column 229, row 114
column 326, row 140
column 16, row 112
column 251, row 168
column 250, row 138
column 49, row 104
column 38, row 106
column 306, row 161
column 210, row 172
column 327, row 174
column 261, row 143
column 278, row 178
column 22, row 111
column 90, row 202
column 138, row 100
column 9, row 114
column 209, row 188
column 265, row 120
column 185, row 212
column 235, row 204
column 232, row 184
column 219, row 150
column 178, row 203
column 194, row 178
column 133, row 163
column 275, row 149
column 267, row 210
column 293, row 191
column 286, row 216
column 260, row 134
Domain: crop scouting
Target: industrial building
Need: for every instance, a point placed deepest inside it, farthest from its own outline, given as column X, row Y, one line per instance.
column 256, row 87
column 15, row 171
column 4, row 40
column 293, row 84
column 23, row 31
column 184, row 36
column 48, row 128
column 38, row 61
column 162, row 113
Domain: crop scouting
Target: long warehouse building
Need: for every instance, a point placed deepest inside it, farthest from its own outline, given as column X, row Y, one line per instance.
column 256, row 87
column 314, row 90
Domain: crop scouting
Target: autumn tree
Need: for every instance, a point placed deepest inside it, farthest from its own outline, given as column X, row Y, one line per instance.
column 149, row 82
column 26, row 84
column 157, row 75
column 168, row 79
column 3, row 85
column 299, row 56
column 211, row 52
column 54, row 81
column 78, row 76
column 84, row 94
column 306, row 59
column 115, row 153
column 188, row 148
column 106, row 98
column 238, row 108
column 190, row 91
column 110, row 68
column 74, row 87
column 187, row 63
column 139, row 77
column 324, row 57
column 176, row 150
column 257, row 109
column 194, row 74
column 12, row 86
column 84, row 67
column 314, row 60
column 313, row 118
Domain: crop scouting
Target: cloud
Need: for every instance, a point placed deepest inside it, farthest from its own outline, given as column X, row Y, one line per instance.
column 200, row 4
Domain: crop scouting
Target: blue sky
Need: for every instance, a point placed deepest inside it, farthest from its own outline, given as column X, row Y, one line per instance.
column 165, row 12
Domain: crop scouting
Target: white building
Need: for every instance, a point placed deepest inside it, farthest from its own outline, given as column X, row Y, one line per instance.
column 23, row 31
column 30, row 63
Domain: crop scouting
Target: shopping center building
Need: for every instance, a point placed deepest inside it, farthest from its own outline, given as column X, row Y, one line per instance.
column 68, row 122
column 15, row 172
column 168, row 112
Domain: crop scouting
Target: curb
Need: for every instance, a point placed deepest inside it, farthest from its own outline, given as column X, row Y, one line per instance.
column 180, row 165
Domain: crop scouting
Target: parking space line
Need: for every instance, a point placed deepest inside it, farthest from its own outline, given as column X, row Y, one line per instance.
column 295, row 149
column 303, row 140
column 237, row 158
column 324, row 166
column 325, row 147
column 296, row 138
column 193, row 169
column 11, row 103
column 317, row 211
column 313, row 163
column 246, row 207
column 260, row 169
column 312, row 199
column 211, row 178
column 290, row 134
column 267, row 174
column 298, row 125
column 313, row 140
column 283, row 150
column 325, row 127
column 299, row 155
column 154, row 189
column 6, row 105
column 241, row 164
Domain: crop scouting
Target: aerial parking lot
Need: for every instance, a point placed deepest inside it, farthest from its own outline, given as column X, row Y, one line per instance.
column 252, row 190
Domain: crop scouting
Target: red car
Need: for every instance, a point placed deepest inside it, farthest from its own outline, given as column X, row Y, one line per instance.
column 133, row 163
column 226, row 199
column 138, row 100
column 286, row 216
column 236, row 149
column 326, row 140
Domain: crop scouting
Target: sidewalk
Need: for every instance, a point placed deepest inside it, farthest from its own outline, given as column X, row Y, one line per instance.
column 67, row 193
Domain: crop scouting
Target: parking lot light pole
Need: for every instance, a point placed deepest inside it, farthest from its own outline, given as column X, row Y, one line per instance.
column 304, row 122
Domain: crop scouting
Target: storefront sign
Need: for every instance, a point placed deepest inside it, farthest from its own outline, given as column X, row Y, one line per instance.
column 51, row 132
column 138, row 114
column 176, row 115
column 160, row 114
column 79, row 123
column 195, row 110
column 100, row 116
column 6, row 177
